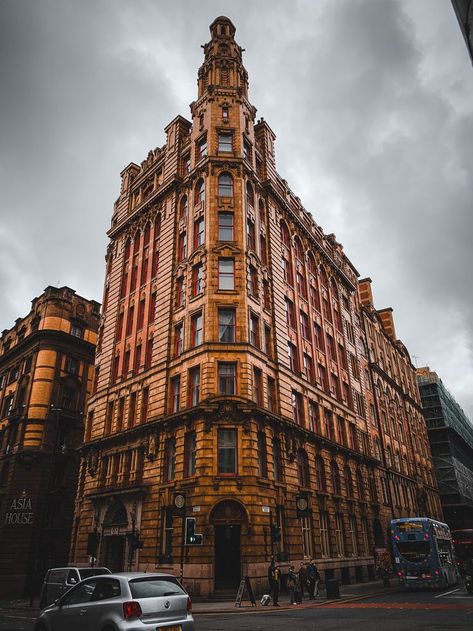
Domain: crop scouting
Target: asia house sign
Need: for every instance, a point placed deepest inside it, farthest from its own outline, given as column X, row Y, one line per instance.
column 19, row 513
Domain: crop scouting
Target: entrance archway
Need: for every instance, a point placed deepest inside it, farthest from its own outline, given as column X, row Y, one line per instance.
column 114, row 521
column 378, row 534
column 228, row 518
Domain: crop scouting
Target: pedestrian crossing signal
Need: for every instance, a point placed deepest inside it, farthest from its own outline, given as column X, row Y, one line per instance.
column 191, row 537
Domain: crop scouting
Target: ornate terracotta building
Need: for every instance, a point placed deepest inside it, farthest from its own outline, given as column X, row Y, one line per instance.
column 46, row 373
column 231, row 365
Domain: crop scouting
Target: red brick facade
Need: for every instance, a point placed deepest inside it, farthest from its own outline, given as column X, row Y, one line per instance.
column 233, row 366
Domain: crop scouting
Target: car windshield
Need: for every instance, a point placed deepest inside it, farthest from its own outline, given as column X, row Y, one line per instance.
column 153, row 587
column 414, row 551
column 93, row 571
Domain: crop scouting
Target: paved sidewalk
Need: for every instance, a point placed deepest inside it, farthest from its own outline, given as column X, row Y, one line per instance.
column 347, row 592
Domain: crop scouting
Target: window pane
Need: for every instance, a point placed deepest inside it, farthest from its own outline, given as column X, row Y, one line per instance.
column 226, row 378
column 225, row 226
column 226, row 325
column 226, row 274
column 227, row 451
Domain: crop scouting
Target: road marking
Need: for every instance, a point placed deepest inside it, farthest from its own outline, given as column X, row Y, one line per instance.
column 446, row 593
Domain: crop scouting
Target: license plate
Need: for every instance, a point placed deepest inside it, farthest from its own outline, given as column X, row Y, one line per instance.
column 176, row 627
column 411, row 578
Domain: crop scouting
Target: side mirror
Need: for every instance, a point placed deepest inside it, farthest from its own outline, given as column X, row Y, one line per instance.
column 72, row 581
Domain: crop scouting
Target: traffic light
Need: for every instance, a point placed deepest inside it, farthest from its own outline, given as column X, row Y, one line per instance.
column 92, row 543
column 275, row 533
column 135, row 542
column 191, row 537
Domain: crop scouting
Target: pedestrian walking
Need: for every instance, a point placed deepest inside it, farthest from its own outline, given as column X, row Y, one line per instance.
column 276, row 585
column 315, row 591
column 292, row 577
column 311, row 570
column 271, row 569
column 302, row 580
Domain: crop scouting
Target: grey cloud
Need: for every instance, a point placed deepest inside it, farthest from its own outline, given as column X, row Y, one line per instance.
column 370, row 101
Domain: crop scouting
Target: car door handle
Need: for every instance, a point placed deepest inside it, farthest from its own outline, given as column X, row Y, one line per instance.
column 82, row 612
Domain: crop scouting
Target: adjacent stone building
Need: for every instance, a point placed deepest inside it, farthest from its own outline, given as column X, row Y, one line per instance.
column 234, row 376
column 451, row 441
column 46, row 372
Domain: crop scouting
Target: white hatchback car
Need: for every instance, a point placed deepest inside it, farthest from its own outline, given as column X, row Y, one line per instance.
column 121, row 602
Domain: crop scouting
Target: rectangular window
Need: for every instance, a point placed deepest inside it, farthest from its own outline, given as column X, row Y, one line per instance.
column 227, row 378
column 271, row 395
column 199, row 232
column 355, row 368
column 155, row 263
column 152, row 308
column 305, row 329
column 182, row 251
column 297, row 408
column 225, row 142
column 126, row 364
column 194, row 386
column 226, row 274
column 189, row 454
column 178, row 339
column 149, row 353
column 227, row 451
column 328, row 425
column 318, row 337
column 342, row 431
column 324, row 535
column 331, row 348
column 352, row 535
column 109, row 418
column 167, row 521
column 144, row 267
column 201, row 149
column 306, row 537
column 287, row 271
column 339, row 535
column 301, row 285
column 323, row 377
column 180, row 291
column 262, row 247
column 120, row 414
column 257, row 386
column 77, row 331
column 313, row 417
column 250, row 235
column 267, row 341
column 144, row 405
column 129, row 320
column 262, row 455
column 141, row 314
column 197, row 279
column 196, row 329
column 314, row 297
column 247, row 151
column 253, row 282
column 175, row 394
column 308, row 368
column 137, row 359
column 290, row 313
column 169, row 459
column 72, row 367
column 225, row 227
column 293, row 359
column 186, row 164
column 132, row 410
column 277, row 460
column 226, row 325
column 225, row 112
column 266, row 295
column 254, row 331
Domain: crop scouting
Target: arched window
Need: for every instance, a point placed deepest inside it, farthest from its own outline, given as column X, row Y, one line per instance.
column 311, row 265
column 397, row 460
column 335, row 475
column 285, row 238
column 348, row 481
column 250, row 196
column 183, row 207
column 298, row 249
column 303, row 468
column 127, row 249
column 320, row 474
column 261, row 211
column 147, row 234
column 225, row 185
column 199, row 192
column 323, row 277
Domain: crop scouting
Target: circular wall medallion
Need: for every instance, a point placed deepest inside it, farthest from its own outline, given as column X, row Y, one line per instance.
column 302, row 503
column 179, row 501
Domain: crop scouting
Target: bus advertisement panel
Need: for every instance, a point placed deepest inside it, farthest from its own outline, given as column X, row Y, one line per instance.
column 423, row 552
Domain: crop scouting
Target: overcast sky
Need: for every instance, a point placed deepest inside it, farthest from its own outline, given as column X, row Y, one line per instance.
column 370, row 100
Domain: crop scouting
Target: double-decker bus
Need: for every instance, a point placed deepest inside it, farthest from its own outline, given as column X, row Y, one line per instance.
column 423, row 552
column 463, row 546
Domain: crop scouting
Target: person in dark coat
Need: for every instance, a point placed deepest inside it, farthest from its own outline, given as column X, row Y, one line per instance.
column 276, row 585
column 271, row 569
column 302, row 580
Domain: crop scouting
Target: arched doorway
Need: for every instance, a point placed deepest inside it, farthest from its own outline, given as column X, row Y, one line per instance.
column 378, row 534
column 228, row 518
column 115, row 520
